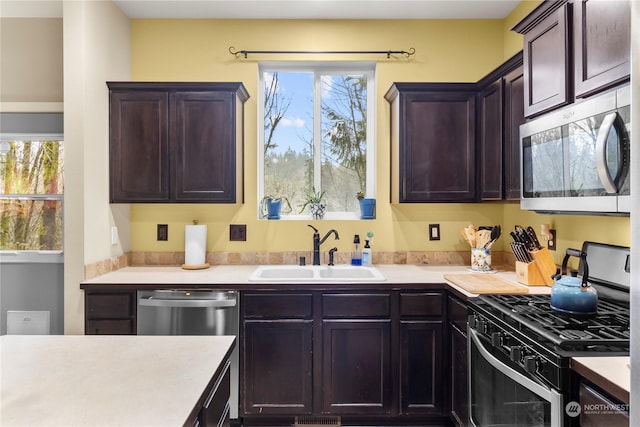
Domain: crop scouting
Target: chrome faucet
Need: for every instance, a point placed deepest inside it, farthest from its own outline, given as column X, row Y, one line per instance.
column 317, row 242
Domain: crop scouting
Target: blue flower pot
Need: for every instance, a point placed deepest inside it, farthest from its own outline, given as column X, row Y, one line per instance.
column 273, row 208
column 367, row 208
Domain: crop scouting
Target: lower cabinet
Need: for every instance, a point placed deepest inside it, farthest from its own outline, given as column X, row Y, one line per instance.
column 110, row 313
column 375, row 356
column 458, row 363
column 599, row 408
column 215, row 410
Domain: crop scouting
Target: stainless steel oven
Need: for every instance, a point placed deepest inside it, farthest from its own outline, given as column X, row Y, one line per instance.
column 193, row 312
column 519, row 348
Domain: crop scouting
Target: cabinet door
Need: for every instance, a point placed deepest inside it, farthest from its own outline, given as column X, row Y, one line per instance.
column 356, row 367
column 277, row 367
column 458, row 384
column 138, row 146
column 546, row 64
column 437, row 147
column 602, row 40
column 596, row 398
column 422, row 383
column 513, row 118
column 203, row 146
column 490, row 139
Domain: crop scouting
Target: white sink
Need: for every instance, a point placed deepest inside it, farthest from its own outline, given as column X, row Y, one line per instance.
column 316, row 273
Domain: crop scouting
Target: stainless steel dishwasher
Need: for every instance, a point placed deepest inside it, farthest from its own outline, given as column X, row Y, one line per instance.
column 193, row 312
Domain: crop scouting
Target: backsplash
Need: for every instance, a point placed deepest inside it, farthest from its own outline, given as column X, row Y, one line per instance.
column 276, row 258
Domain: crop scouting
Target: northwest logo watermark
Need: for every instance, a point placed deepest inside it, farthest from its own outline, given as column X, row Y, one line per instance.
column 573, row 408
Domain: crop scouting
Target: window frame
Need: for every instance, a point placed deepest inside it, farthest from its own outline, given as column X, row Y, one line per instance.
column 318, row 68
column 33, row 256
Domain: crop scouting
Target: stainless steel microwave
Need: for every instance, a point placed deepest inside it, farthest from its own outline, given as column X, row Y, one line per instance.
column 577, row 160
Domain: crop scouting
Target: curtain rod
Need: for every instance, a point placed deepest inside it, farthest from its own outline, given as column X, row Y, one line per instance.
column 244, row 53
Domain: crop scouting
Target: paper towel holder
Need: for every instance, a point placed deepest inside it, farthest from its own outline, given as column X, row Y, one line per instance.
column 196, row 266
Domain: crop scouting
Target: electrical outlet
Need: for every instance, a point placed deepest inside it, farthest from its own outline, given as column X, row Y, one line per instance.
column 434, row 231
column 551, row 243
column 163, row 232
column 238, row 232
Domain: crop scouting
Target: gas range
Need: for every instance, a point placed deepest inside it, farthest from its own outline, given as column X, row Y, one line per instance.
column 520, row 347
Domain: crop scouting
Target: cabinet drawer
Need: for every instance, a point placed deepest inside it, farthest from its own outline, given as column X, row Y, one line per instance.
column 278, row 305
column 356, row 305
column 109, row 327
column 458, row 312
column 110, row 305
column 421, row 304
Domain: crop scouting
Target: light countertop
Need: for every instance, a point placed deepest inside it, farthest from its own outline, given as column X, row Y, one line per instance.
column 238, row 275
column 612, row 374
column 75, row 380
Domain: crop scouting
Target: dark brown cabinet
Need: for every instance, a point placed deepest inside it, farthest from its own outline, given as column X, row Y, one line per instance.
column 276, row 354
column 421, row 353
column 500, row 114
column 356, row 353
column 609, row 411
column 546, row 58
column 513, row 118
column 433, row 153
column 176, row 142
column 574, row 49
column 458, row 364
column 110, row 313
column 215, row 410
column 490, row 107
column 602, row 40
column 366, row 356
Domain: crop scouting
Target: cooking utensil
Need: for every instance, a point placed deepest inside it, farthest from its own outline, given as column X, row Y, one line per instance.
column 572, row 294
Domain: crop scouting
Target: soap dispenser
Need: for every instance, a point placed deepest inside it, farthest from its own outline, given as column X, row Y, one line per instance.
column 356, row 256
column 366, row 253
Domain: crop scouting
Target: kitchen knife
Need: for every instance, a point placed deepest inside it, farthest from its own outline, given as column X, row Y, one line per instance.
column 534, row 238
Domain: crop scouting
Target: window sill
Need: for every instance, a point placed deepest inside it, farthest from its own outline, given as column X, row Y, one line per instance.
column 329, row 216
column 31, row 257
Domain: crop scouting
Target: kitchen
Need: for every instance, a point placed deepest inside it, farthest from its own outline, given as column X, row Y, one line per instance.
column 185, row 50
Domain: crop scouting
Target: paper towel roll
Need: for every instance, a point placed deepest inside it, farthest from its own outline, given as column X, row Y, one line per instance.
column 195, row 244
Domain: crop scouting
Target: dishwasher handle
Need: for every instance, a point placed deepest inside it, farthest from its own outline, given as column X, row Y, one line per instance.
column 186, row 302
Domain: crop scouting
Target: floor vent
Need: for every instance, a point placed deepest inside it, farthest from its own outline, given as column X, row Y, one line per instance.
column 317, row 421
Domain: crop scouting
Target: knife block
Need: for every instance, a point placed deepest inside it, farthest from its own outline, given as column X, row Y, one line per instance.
column 539, row 271
column 528, row 274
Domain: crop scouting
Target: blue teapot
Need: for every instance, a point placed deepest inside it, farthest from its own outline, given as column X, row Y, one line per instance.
column 572, row 294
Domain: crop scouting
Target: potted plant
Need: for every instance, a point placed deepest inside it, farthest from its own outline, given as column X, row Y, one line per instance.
column 313, row 199
column 272, row 206
column 367, row 206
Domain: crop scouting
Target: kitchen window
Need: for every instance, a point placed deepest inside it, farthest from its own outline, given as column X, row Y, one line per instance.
column 31, row 194
column 314, row 136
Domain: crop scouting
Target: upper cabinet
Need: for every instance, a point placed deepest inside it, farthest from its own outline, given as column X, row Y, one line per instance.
column 574, row 49
column 433, row 142
column 500, row 114
column 176, row 142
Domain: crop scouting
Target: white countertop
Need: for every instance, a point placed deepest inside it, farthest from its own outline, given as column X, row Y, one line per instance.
column 612, row 374
column 239, row 275
column 75, row 380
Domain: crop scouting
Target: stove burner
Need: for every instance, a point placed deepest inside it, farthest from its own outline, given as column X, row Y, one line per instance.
column 574, row 334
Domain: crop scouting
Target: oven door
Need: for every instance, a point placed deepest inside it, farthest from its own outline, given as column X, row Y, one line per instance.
column 501, row 395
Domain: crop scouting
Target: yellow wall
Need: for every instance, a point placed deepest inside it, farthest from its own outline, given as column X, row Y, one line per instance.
column 446, row 50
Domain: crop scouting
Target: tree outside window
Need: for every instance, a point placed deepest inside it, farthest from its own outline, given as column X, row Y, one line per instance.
column 315, row 134
column 31, row 192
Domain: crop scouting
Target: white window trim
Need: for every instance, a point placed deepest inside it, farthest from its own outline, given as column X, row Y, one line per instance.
column 367, row 68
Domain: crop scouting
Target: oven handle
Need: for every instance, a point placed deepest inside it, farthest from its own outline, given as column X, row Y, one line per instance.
column 548, row 394
column 188, row 303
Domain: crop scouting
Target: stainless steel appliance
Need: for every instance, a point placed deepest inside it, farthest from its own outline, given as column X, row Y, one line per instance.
column 578, row 159
column 193, row 312
column 519, row 348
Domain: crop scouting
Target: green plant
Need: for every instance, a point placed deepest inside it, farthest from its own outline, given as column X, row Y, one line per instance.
column 312, row 197
column 359, row 195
